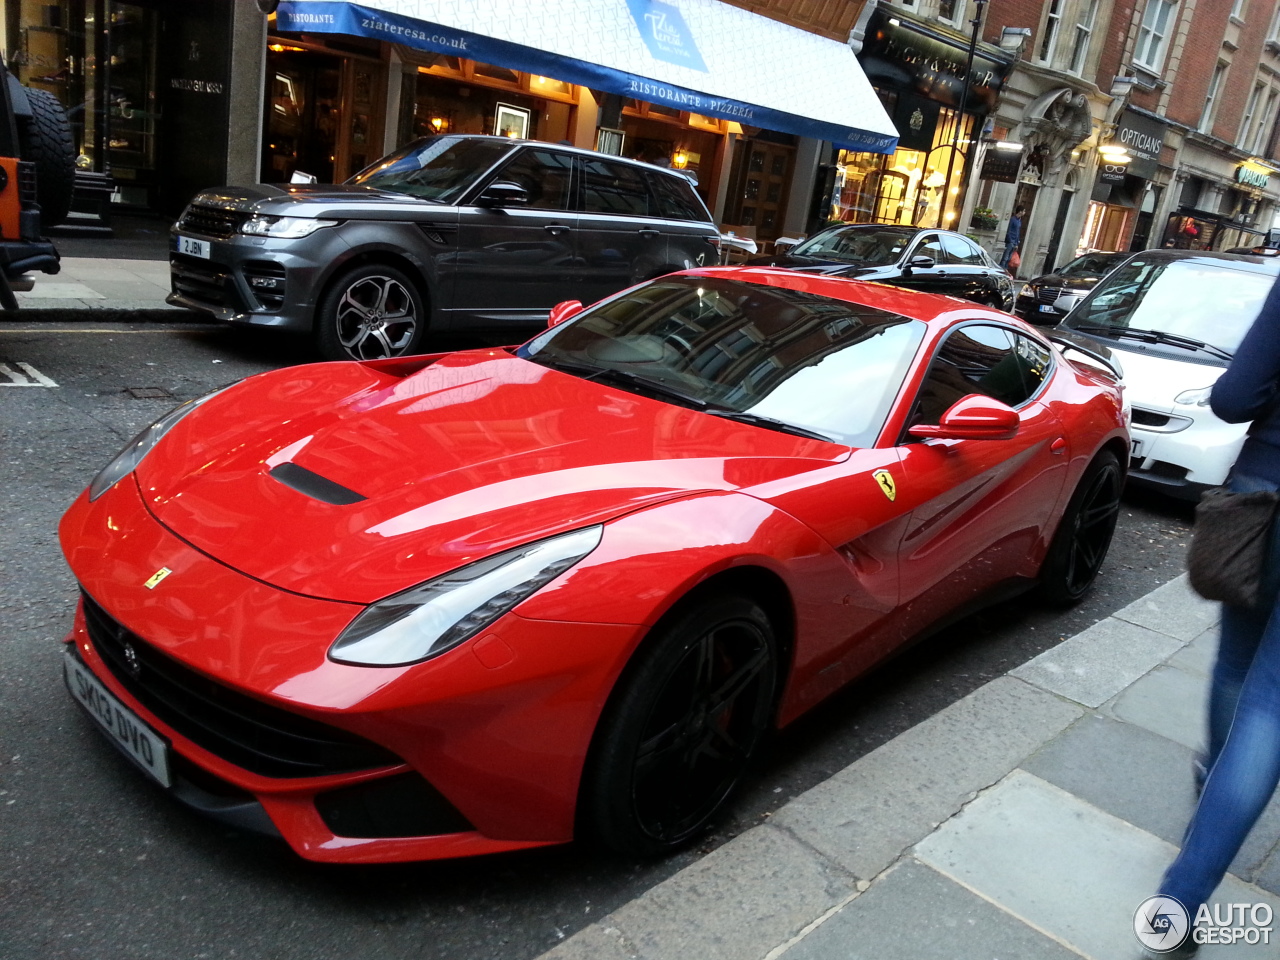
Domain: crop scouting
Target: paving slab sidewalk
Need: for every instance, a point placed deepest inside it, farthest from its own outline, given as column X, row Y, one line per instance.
column 101, row 288
column 1026, row 821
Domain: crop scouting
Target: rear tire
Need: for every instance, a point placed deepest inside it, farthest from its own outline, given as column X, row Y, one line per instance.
column 682, row 728
column 370, row 312
column 45, row 140
column 1084, row 534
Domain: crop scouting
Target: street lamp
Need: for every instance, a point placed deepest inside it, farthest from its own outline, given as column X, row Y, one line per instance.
column 964, row 105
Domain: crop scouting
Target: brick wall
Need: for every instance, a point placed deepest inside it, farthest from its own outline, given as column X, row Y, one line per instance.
column 1014, row 13
column 1244, row 71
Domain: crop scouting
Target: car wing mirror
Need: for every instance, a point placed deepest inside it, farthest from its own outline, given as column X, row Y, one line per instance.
column 503, row 193
column 975, row 417
column 562, row 311
column 782, row 244
column 918, row 263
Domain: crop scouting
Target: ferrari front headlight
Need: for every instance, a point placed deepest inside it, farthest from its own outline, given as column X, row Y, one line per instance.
column 425, row 621
column 127, row 460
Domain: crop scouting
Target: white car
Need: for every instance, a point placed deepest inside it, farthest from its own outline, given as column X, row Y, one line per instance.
column 1172, row 320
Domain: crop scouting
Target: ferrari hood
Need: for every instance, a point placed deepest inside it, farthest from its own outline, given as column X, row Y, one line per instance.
column 343, row 482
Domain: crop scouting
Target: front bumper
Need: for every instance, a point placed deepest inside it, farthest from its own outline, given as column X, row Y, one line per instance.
column 499, row 727
column 257, row 281
column 1183, row 463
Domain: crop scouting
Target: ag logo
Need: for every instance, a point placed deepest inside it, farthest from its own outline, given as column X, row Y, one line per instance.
column 1161, row 923
column 885, row 479
column 154, row 580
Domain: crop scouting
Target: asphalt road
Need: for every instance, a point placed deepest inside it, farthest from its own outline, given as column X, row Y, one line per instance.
column 95, row 863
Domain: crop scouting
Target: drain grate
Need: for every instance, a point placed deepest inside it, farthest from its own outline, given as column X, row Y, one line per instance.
column 148, row 393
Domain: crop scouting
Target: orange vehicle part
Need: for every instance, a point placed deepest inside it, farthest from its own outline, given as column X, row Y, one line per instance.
column 10, row 200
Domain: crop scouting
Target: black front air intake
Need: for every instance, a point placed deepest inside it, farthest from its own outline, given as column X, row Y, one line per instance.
column 241, row 730
column 404, row 805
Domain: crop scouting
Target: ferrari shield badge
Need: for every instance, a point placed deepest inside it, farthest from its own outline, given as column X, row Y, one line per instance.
column 885, row 479
column 155, row 578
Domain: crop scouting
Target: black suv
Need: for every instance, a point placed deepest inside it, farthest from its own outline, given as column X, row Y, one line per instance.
column 933, row 261
column 448, row 233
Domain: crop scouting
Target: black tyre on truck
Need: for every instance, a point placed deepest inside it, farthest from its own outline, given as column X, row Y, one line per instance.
column 45, row 140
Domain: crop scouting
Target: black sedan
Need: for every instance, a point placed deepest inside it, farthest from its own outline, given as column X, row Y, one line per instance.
column 1036, row 300
column 933, row 261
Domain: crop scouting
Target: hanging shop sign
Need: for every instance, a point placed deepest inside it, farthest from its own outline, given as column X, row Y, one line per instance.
column 1002, row 165
column 1142, row 137
column 901, row 54
column 916, row 119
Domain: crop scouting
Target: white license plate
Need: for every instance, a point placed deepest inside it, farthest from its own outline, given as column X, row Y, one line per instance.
column 139, row 742
column 192, row 247
column 1135, row 449
column 1047, row 308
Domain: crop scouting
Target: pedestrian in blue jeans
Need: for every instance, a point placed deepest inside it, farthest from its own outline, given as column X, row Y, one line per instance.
column 1243, row 763
column 1013, row 235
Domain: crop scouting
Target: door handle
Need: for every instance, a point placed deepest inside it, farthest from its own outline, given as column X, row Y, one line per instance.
column 646, row 232
column 555, row 229
column 1058, row 446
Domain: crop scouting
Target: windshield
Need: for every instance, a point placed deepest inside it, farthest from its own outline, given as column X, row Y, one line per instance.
column 435, row 168
column 1211, row 302
column 863, row 244
column 1091, row 265
column 740, row 349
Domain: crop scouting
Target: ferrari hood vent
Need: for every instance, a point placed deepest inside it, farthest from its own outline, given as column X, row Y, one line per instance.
column 313, row 485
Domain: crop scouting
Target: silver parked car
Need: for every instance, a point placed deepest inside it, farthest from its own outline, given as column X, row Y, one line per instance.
column 448, row 233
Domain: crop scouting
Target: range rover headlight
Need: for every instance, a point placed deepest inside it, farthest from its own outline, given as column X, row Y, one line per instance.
column 127, row 460
column 425, row 621
column 284, row 228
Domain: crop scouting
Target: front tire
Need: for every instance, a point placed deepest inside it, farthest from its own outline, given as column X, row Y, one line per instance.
column 370, row 312
column 1084, row 534
column 682, row 727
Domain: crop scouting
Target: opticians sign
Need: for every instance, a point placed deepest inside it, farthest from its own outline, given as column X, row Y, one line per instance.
column 1142, row 138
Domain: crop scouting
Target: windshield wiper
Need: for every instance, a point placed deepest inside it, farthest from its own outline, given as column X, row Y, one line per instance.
column 769, row 423
column 606, row 374
column 1153, row 336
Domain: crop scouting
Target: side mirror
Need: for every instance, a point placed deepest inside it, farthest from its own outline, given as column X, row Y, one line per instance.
column 1067, row 302
column 918, row 263
column 562, row 311
column 503, row 193
column 783, row 244
column 975, row 417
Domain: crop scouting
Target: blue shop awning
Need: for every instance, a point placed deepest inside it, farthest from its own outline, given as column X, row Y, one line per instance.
column 697, row 55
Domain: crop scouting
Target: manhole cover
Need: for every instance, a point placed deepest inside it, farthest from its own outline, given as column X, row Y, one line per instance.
column 148, row 393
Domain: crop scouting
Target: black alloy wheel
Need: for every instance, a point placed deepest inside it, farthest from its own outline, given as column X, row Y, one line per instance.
column 1084, row 533
column 370, row 313
column 681, row 730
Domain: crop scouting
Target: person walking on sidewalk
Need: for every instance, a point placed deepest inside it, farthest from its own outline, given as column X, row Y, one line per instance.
column 1243, row 762
column 1013, row 235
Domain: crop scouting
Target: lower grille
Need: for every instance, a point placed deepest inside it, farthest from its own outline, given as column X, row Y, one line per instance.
column 404, row 805
column 200, row 280
column 1048, row 294
column 239, row 729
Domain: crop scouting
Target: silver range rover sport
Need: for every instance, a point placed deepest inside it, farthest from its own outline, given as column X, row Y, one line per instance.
column 449, row 233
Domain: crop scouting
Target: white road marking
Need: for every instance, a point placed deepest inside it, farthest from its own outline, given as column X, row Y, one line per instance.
column 27, row 376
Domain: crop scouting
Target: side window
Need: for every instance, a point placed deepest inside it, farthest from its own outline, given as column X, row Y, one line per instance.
column 614, row 188
column 960, row 250
column 930, row 246
column 545, row 176
column 675, row 198
column 974, row 359
column 1034, row 361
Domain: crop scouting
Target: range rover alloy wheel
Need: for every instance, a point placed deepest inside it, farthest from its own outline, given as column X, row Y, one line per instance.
column 370, row 313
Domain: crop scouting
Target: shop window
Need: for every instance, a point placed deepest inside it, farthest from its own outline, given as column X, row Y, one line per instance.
column 544, row 174
column 615, row 188
column 491, row 72
column 539, row 84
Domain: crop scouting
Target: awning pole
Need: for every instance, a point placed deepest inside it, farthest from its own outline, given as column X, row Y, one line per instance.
column 964, row 105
